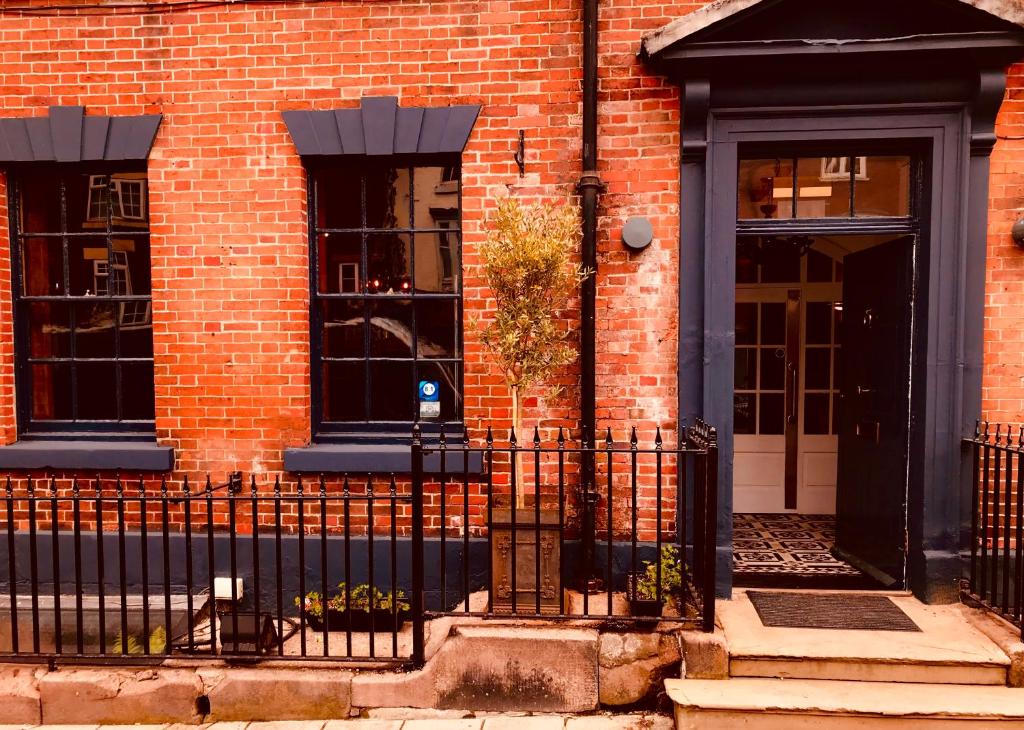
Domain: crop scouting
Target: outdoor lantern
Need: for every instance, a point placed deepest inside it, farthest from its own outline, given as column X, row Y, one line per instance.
column 1018, row 233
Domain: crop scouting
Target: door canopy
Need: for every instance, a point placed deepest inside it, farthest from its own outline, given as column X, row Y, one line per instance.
column 987, row 30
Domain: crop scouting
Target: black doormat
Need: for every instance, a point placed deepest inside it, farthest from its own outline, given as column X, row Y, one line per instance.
column 829, row 611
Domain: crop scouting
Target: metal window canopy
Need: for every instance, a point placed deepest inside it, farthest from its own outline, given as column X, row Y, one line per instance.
column 67, row 135
column 379, row 127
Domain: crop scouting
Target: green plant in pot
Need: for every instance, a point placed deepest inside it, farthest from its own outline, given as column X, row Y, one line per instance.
column 642, row 589
column 354, row 609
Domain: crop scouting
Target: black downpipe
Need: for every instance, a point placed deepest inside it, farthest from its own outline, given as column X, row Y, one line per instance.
column 589, row 188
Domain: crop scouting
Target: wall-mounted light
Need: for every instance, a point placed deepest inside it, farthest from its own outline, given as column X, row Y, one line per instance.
column 1018, row 233
column 637, row 233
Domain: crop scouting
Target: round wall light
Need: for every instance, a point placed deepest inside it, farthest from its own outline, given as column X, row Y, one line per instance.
column 637, row 233
column 1018, row 233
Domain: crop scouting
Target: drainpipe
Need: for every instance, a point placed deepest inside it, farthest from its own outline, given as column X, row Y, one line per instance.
column 589, row 188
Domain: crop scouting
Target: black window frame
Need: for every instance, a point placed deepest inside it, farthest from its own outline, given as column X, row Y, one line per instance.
column 29, row 428
column 324, row 431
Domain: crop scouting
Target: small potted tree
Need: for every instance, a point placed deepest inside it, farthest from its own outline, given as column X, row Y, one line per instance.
column 527, row 259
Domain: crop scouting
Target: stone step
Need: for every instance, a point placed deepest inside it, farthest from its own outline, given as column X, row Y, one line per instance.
column 805, row 704
column 947, row 650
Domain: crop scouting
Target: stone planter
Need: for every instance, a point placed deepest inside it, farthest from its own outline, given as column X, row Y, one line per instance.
column 526, row 529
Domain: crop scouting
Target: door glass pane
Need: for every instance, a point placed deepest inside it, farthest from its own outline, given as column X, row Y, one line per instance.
column 819, row 319
column 773, row 368
column 746, row 368
column 816, row 421
column 747, row 252
column 780, row 261
column 816, row 369
column 772, row 419
column 773, row 324
column 744, row 413
column 823, row 187
column 819, row 267
column 746, row 323
column 882, row 187
column 765, row 188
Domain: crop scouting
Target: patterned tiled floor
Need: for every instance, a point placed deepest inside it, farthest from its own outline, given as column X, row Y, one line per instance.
column 777, row 549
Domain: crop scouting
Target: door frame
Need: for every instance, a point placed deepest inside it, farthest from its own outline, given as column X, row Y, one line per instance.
column 947, row 346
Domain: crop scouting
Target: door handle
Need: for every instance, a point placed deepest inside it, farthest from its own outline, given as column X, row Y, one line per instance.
column 861, row 390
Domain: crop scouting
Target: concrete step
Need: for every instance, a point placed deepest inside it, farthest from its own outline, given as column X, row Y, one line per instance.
column 804, row 704
column 947, row 650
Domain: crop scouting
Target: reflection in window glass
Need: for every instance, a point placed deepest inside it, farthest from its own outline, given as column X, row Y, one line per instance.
column 83, row 239
column 766, row 188
column 388, row 295
column 884, row 188
column 823, row 187
column 745, row 413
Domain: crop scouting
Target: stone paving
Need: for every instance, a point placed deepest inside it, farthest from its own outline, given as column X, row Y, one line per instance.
column 416, row 720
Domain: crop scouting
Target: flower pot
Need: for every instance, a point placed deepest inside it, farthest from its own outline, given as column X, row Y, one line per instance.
column 383, row 620
column 641, row 606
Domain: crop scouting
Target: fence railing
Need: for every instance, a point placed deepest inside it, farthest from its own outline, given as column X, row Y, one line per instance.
column 106, row 568
column 996, row 577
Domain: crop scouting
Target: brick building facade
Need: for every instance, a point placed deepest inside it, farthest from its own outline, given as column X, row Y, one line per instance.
column 229, row 210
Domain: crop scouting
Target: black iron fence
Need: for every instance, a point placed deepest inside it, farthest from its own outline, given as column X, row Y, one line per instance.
column 996, row 577
column 349, row 567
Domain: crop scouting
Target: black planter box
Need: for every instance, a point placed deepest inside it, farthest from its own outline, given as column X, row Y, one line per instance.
column 383, row 620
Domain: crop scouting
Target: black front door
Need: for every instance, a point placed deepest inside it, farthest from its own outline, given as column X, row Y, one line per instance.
column 878, row 292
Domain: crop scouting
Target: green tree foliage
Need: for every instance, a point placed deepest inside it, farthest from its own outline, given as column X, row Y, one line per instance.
column 528, row 263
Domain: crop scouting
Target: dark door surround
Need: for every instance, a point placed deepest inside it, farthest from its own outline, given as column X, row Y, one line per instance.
column 948, row 343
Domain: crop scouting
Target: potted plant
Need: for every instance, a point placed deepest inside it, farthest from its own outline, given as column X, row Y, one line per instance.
column 642, row 588
column 527, row 259
column 389, row 610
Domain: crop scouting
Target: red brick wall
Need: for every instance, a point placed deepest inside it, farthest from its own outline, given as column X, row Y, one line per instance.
column 1003, row 393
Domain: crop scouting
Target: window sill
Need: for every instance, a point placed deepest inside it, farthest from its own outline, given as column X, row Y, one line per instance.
column 373, row 458
column 92, row 455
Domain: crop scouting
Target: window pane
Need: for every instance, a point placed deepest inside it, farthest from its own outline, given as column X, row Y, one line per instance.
column 780, row 261
column 816, row 420
column 766, row 188
column 137, row 391
column 40, row 203
column 343, row 328
column 42, row 267
column 819, row 267
column 747, row 253
column 773, row 369
column 387, row 257
column 90, row 270
column 132, row 252
column 338, row 196
column 94, row 329
column 51, row 392
column 387, row 197
column 744, row 413
column 390, row 328
column 392, row 391
column 746, row 323
column 437, row 256
column 816, row 368
column 437, row 196
column 339, row 261
column 436, row 328
column 882, row 187
column 772, row 419
column 136, row 328
column 344, row 391
column 824, row 187
column 446, row 375
column 819, row 319
column 97, row 391
column 124, row 196
column 746, row 368
column 773, row 324
column 49, row 330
